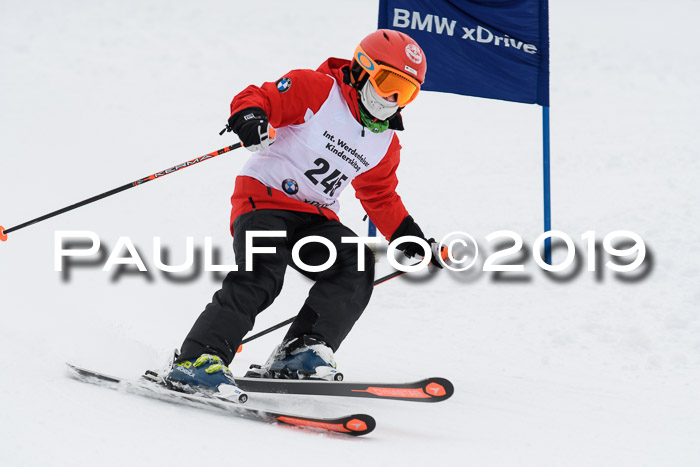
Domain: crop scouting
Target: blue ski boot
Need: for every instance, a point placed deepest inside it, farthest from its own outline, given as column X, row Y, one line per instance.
column 301, row 358
column 206, row 374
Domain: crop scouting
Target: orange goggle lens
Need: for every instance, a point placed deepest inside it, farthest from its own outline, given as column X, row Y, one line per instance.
column 388, row 81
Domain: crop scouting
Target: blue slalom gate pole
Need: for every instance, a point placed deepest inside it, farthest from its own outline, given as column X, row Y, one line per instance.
column 371, row 229
column 545, row 168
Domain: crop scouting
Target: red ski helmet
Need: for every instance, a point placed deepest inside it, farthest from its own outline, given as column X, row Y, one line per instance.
column 394, row 62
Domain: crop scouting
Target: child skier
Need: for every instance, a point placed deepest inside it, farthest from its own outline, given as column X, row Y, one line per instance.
column 334, row 126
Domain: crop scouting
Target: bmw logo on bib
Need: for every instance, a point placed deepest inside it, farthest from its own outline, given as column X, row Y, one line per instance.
column 284, row 84
column 290, row 186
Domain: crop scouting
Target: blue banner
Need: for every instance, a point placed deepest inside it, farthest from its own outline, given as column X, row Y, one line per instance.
column 497, row 49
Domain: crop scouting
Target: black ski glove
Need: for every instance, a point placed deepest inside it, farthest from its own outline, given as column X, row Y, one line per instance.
column 251, row 126
column 409, row 227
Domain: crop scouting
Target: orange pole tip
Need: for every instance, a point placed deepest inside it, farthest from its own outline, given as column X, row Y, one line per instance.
column 271, row 132
column 240, row 349
column 3, row 235
column 444, row 253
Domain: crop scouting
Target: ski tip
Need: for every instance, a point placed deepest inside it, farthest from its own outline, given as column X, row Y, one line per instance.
column 360, row 424
column 352, row 425
column 74, row 371
column 424, row 390
column 438, row 389
column 3, row 235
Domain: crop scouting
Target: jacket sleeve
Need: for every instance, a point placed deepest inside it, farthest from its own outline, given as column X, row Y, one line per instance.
column 308, row 91
column 376, row 190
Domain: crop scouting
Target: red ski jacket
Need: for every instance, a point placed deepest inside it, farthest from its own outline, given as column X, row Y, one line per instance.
column 374, row 188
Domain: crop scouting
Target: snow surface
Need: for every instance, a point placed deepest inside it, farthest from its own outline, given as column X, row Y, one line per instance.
column 578, row 373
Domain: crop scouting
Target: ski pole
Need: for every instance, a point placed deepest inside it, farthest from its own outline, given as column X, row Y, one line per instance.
column 266, row 331
column 141, row 181
column 289, row 321
column 381, row 280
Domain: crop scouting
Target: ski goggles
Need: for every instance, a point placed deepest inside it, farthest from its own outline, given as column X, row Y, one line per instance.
column 388, row 81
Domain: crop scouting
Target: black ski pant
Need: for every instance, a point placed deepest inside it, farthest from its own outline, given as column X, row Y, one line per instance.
column 336, row 300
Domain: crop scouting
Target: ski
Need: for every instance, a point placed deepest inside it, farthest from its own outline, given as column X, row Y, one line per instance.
column 353, row 425
column 425, row 390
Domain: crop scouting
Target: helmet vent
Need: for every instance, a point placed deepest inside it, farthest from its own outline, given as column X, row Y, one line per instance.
column 385, row 36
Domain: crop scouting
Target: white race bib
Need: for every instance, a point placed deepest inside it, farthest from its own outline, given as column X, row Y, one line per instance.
column 314, row 161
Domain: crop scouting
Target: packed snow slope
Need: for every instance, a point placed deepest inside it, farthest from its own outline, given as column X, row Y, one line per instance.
column 591, row 371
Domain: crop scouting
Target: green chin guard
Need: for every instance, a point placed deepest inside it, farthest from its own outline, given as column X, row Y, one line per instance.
column 372, row 124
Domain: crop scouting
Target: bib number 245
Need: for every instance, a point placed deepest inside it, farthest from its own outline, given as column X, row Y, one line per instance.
column 331, row 182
